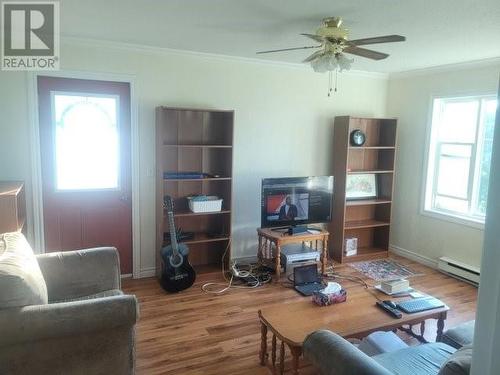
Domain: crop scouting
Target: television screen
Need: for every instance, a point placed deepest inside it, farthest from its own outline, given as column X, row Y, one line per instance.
column 296, row 200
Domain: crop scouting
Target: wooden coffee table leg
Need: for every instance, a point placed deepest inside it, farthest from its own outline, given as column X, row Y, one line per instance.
column 282, row 358
column 440, row 326
column 422, row 328
column 296, row 353
column 263, row 344
column 273, row 354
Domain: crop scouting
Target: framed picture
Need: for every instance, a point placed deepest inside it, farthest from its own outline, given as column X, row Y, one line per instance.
column 361, row 186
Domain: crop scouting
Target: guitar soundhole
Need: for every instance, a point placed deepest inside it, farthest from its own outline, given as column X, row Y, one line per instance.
column 176, row 260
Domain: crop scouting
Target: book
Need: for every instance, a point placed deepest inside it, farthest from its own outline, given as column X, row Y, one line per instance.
column 395, row 286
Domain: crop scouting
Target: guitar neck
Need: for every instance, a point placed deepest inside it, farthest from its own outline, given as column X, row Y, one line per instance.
column 173, row 234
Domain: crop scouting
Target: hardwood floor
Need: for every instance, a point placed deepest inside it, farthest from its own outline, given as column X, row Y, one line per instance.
column 197, row 333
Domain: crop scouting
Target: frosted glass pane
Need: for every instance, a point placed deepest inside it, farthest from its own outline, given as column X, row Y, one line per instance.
column 462, row 151
column 86, row 142
column 452, row 204
column 458, row 121
column 453, row 178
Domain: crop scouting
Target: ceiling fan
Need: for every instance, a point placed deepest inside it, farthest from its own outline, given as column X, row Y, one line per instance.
column 333, row 44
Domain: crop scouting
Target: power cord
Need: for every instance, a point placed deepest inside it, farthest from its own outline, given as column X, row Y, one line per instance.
column 253, row 278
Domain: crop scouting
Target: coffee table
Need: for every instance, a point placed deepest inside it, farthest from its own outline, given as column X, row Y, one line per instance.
column 357, row 318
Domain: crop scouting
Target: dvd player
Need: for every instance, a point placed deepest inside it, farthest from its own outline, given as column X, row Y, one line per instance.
column 297, row 255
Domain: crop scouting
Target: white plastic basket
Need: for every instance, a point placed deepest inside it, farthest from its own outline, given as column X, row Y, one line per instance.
column 211, row 204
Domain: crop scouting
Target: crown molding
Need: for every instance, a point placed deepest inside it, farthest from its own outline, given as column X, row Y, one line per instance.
column 494, row 61
column 108, row 44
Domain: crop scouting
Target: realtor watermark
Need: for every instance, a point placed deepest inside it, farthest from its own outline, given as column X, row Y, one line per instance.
column 30, row 35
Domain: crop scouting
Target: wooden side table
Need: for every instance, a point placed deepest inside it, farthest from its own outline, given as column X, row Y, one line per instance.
column 268, row 237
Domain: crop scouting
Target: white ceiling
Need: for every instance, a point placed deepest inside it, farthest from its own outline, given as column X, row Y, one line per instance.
column 438, row 32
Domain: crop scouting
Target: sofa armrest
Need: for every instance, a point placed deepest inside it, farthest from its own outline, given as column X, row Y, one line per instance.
column 334, row 355
column 72, row 274
column 40, row 322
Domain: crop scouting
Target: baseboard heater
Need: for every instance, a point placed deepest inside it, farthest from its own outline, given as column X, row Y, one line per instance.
column 457, row 269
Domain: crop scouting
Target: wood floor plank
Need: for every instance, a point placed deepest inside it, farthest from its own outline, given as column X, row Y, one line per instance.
column 195, row 333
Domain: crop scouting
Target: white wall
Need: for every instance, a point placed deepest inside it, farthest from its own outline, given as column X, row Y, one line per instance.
column 409, row 99
column 283, row 119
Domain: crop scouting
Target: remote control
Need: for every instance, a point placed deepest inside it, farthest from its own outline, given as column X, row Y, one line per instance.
column 394, row 312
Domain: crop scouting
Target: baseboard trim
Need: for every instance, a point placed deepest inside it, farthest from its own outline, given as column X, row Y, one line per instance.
column 426, row 261
column 147, row 272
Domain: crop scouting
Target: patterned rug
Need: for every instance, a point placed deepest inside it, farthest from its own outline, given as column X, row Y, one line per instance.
column 384, row 269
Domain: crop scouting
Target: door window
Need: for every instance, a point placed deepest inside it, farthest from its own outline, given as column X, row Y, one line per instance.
column 87, row 149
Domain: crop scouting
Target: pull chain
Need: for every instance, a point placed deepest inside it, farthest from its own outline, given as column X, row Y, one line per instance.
column 330, row 82
column 336, row 78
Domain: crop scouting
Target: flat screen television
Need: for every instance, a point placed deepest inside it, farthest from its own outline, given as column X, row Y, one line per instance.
column 292, row 201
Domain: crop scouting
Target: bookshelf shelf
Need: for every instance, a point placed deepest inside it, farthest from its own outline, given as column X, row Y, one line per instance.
column 189, row 213
column 366, row 253
column 197, row 146
column 360, row 224
column 197, row 179
column 204, row 238
column 368, row 202
column 376, row 171
column 351, row 148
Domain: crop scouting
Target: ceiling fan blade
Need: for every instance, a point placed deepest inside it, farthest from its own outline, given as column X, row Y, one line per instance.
column 368, row 53
column 315, row 37
column 378, row 39
column 312, row 57
column 286, row 49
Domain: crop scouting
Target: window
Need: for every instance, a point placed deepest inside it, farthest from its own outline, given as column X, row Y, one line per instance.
column 86, row 141
column 459, row 156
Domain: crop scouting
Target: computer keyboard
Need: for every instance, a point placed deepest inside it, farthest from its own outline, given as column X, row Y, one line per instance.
column 419, row 304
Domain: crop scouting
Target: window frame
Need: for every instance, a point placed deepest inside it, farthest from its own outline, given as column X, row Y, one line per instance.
column 426, row 202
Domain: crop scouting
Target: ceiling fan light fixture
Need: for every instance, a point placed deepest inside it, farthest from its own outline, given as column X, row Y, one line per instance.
column 329, row 62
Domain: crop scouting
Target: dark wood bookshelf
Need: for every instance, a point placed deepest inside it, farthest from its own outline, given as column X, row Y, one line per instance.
column 368, row 220
column 202, row 141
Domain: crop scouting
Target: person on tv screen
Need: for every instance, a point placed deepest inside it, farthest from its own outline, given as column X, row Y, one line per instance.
column 288, row 211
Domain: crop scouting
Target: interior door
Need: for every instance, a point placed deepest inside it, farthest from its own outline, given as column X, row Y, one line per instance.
column 86, row 166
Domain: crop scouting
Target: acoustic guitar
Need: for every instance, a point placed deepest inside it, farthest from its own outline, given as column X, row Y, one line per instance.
column 177, row 274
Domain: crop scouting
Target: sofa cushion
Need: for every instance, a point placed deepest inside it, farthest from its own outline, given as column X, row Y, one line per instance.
column 459, row 363
column 460, row 335
column 415, row 360
column 20, row 277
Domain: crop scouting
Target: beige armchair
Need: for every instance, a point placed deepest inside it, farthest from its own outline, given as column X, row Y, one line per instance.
column 63, row 313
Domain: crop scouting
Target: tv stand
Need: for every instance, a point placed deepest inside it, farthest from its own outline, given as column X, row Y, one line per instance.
column 271, row 241
column 292, row 229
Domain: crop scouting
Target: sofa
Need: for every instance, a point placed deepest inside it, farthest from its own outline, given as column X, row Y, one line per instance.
column 63, row 313
column 332, row 354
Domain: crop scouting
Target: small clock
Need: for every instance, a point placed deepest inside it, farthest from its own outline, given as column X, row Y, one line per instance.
column 357, row 138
